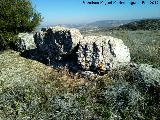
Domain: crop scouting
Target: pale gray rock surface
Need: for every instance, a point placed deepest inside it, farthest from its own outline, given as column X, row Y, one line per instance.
column 57, row 41
column 90, row 52
column 104, row 50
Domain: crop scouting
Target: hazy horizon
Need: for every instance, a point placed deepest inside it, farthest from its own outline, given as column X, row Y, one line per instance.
column 75, row 12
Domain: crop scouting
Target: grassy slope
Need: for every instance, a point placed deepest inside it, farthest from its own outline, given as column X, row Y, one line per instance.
column 31, row 90
column 25, row 84
column 16, row 70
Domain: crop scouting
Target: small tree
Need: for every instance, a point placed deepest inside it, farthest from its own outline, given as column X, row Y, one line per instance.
column 16, row 16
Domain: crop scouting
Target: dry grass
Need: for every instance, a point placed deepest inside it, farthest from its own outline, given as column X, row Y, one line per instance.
column 30, row 90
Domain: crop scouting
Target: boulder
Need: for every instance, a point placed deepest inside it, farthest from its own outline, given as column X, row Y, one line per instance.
column 102, row 51
column 88, row 53
column 57, row 41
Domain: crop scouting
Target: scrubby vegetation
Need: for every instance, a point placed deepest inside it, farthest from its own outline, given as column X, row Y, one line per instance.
column 147, row 24
column 16, row 16
column 31, row 90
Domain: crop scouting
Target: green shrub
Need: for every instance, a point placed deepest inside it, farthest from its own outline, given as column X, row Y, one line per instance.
column 6, row 39
column 16, row 16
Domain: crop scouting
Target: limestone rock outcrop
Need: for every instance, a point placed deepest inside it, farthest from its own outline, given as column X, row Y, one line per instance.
column 89, row 52
column 106, row 51
column 57, row 41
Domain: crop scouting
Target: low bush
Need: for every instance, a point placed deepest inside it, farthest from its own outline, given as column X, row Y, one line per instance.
column 16, row 16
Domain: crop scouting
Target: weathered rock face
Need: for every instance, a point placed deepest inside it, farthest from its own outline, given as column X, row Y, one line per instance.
column 90, row 52
column 57, row 41
column 102, row 51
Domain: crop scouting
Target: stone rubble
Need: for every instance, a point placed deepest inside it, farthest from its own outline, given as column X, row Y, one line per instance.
column 89, row 52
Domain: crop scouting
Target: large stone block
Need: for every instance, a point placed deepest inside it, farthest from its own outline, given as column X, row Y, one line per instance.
column 90, row 52
column 102, row 51
column 57, row 41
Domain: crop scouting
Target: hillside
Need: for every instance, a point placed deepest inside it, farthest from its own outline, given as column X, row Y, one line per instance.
column 108, row 23
column 32, row 90
column 147, row 24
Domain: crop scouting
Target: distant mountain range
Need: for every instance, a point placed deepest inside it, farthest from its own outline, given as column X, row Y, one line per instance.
column 135, row 24
column 99, row 24
column 143, row 24
column 108, row 23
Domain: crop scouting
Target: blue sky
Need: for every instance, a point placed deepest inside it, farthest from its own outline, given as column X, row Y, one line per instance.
column 74, row 11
